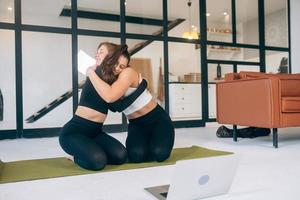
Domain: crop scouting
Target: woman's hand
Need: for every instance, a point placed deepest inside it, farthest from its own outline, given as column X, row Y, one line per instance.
column 91, row 69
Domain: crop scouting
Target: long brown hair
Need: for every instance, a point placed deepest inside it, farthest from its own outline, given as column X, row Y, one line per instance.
column 111, row 47
column 109, row 64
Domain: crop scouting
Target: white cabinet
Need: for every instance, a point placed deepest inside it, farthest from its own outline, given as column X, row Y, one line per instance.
column 185, row 101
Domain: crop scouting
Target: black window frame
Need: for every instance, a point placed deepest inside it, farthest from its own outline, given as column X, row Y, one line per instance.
column 18, row 27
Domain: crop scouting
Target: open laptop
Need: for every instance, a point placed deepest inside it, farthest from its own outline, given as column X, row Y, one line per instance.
column 198, row 178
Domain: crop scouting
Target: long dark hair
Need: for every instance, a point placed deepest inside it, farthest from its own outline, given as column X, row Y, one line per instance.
column 111, row 47
column 107, row 67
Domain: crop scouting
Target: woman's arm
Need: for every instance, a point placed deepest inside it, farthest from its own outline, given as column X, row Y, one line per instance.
column 123, row 103
column 111, row 93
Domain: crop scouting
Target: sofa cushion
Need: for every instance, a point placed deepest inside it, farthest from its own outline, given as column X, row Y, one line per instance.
column 290, row 104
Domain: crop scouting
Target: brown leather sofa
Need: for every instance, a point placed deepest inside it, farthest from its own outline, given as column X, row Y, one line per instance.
column 259, row 100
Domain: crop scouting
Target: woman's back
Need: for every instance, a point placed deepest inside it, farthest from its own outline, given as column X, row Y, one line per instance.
column 144, row 104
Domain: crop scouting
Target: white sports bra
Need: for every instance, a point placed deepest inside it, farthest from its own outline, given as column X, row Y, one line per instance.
column 139, row 103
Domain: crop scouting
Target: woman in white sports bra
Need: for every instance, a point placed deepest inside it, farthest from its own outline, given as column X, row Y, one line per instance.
column 150, row 131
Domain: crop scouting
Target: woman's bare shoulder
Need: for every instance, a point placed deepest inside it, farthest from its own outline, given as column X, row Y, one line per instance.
column 130, row 75
column 128, row 71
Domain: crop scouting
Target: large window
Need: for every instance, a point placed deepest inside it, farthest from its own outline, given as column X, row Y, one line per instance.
column 143, row 16
column 184, row 82
column 7, row 83
column 7, row 13
column 46, row 13
column 182, row 67
column 276, row 23
column 219, row 21
column 187, row 16
column 276, row 35
column 247, row 22
column 277, row 62
column 99, row 15
column 47, row 77
column 219, row 52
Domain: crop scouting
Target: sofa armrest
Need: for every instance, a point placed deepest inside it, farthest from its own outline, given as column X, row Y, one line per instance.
column 249, row 102
column 231, row 76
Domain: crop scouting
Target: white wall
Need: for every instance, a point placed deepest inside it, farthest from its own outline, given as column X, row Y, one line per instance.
column 295, row 35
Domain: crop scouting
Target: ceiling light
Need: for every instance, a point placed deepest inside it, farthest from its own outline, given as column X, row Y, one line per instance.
column 9, row 8
column 207, row 14
column 125, row 3
column 191, row 33
column 225, row 13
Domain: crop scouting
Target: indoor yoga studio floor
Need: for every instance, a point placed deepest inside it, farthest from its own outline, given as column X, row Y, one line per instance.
column 263, row 173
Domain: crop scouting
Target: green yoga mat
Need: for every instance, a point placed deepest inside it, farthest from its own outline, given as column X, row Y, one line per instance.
column 58, row 167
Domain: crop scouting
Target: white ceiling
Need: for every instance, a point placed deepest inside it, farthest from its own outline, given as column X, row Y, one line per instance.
column 246, row 9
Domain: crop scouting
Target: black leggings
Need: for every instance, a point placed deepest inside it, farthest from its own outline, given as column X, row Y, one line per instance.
column 91, row 147
column 150, row 137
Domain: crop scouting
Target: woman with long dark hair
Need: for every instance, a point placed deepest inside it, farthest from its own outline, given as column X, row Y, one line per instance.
column 150, row 131
column 82, row 137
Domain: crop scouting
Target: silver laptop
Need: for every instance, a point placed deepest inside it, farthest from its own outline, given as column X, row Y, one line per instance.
column 198, row 178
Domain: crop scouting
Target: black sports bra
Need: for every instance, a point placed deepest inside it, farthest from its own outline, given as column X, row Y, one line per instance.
column 91, row 99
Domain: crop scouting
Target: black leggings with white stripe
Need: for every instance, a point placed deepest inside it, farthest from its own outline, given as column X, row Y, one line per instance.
column 150, row 137
column 91, row 147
